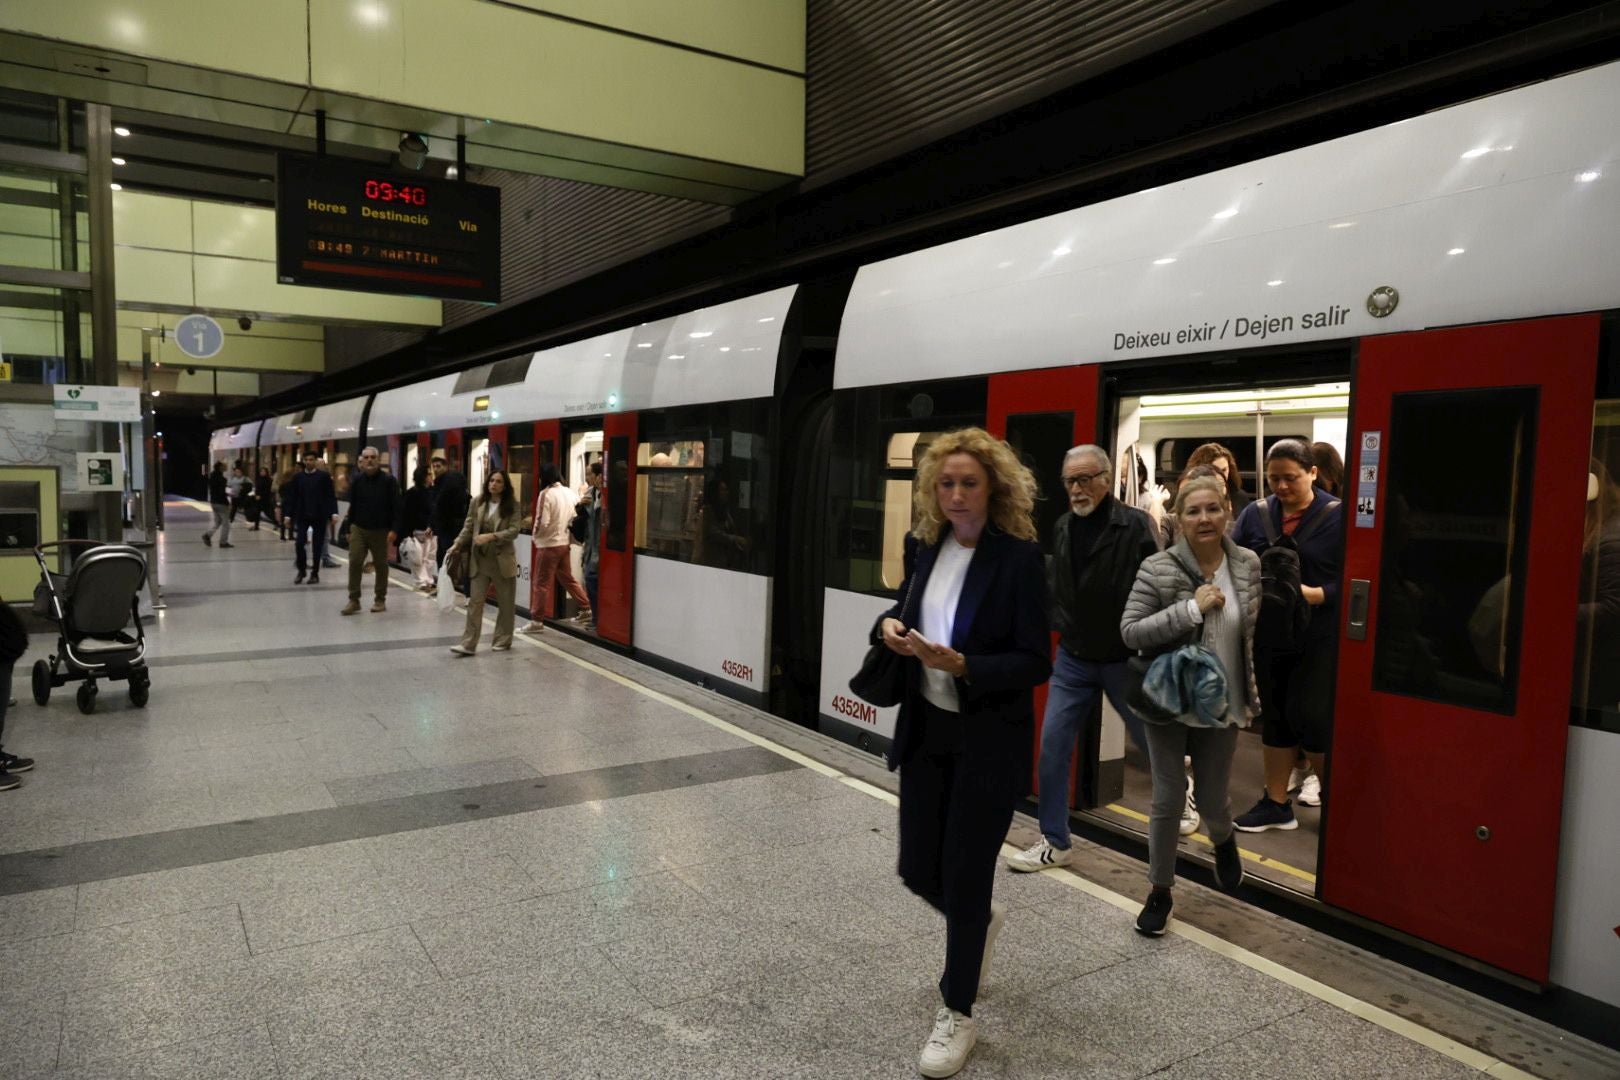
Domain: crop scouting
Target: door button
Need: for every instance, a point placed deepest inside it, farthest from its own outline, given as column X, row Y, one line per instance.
column 1482, row 833
column 1360, row 590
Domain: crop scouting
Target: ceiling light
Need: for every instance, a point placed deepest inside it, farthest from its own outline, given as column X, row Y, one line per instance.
column 676, row 356
column 1343, row 225
column 1166, row 261
column 768, row 318
column 1456, row 251
column 117, row 187
column 412, row 151
column 121, row 131
column 1588, row 176
column 119, row 161
column 725, row 348
column 1061, row 251
column 157, row 393
column 701, row 334
column 1229, row 212
column 421, row 423
column 1478, row 151
column 1275, row 283
column 643, row 344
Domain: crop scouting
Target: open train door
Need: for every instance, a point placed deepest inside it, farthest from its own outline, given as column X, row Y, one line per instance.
column 1042, row 414
column 1467, row 480
column 616, row 570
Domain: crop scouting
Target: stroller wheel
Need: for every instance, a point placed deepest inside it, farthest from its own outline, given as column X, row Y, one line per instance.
column 42, row 682
column 139, row 693
column 87, row 698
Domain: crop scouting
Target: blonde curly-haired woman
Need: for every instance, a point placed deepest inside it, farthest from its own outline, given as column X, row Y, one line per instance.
column 973, row 616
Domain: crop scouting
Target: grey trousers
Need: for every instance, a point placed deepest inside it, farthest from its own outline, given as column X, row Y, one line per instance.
column 222, row 522
column 1211, row 750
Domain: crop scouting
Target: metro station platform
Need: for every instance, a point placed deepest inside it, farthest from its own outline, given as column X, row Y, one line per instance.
column 328, row 848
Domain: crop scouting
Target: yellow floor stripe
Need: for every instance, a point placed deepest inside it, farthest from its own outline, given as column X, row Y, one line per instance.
column 1385, row 1019
column 1200, row 838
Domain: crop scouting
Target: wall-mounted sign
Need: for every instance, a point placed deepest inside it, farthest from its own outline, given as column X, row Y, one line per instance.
column 199, row 337
column 100, row 471
column 343, row 224
column 100, row 404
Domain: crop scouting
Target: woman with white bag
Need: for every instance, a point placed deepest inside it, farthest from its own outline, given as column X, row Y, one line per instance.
column 487, row 538
column 416, row 525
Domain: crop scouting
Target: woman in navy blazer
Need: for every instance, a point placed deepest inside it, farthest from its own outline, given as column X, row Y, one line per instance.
column 973, row 616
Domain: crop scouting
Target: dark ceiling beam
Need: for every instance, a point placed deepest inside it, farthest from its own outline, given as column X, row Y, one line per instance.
column 1290, row 75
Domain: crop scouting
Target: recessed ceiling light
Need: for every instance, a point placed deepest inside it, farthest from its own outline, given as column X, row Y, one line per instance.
column 1342, row 225
column 1166, row 261
column 676, row 356
column 1478, row 151
column 1229, row 212
column 117, row 187
column 643, row 344
column 725, row 348
column 768, row 318
column 1588, row 176
column 121, row 131
column 1456, row 251
column 701, row 334
column 1059, row 252
column 118, row 161
column 1275, row 283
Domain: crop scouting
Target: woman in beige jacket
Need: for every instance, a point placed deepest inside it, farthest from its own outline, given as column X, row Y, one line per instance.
column 492, row 525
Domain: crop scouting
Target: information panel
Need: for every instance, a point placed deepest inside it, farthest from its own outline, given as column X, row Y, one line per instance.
column 343, row 224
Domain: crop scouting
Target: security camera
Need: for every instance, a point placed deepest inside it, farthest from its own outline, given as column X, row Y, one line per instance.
column 191, row 371
column 245, row 323
column 413, row 151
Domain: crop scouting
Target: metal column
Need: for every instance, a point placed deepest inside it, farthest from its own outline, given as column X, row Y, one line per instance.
column 103, row 291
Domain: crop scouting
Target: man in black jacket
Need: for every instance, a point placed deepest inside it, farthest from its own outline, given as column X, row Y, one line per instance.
column 450, row 504
column 374, row 507
column 219, row 501
column 314, row 506
column 1096, row 550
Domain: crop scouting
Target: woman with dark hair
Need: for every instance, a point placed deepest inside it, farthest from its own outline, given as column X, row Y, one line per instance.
column 416, row 521
column 1225, row 464
column 487, row 538
column 972, row 616
column 553, row 512
column 264, row 493
column 1329, row 468
column 1295, row 677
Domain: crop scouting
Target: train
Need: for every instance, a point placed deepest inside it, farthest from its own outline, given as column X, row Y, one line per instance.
column 1436, row 298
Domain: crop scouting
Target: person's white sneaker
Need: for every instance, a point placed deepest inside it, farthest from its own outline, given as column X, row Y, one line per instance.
column 532, row 628
column 1039, row 856
column 460, row 651
column 998, row 919
column 1297, row 777
column 947, row 1049
column 1310, row 792
column 1189, row 815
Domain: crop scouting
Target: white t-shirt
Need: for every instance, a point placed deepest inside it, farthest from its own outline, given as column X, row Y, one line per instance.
column 938, row 620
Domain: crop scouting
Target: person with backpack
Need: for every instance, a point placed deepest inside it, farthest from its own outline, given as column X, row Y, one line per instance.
column 553, row 513
column 1298, row 532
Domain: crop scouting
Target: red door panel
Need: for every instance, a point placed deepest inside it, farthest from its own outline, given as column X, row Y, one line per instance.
column 1446, row 770
column 617, row 566
column 1043, row 393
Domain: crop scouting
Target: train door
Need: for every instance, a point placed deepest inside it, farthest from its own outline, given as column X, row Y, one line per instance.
column 1467, row 478
column 617, row 567
column 1042, row 414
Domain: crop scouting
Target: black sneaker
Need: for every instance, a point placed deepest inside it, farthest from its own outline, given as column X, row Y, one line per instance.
column 1228, row 865
column 1266, row 814
column 224, row 544
column 315, row 579
column 1155, row 913
column 7, row 781
column 207, row 539
column 299, row 580
column 13, row 763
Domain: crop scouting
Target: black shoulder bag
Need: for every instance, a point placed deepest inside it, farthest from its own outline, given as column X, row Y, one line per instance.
column 882, row 678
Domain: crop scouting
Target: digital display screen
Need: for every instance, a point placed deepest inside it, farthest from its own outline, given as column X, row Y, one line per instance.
column 343, row 224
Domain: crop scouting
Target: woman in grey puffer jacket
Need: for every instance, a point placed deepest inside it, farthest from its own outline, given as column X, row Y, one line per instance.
column 1204, row 589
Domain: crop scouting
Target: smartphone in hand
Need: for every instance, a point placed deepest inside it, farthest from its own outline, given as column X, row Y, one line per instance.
column 917, row 638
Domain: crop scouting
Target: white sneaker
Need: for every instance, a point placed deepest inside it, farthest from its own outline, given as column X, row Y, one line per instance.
column 1189, row 816
column 532, row 628
column 460, row 651
column 1039, row 856
column 998, row 919
column 1310, row 792
column 947, row 1049
column 1297, row 777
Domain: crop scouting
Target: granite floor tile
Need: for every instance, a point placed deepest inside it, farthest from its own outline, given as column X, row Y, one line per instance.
column 244, row 1053
column 359, row 789
column 30, row 1032
column 37, row 914
column 112, row 954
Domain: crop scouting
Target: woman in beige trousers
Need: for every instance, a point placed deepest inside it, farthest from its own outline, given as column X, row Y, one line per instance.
column 492, row 525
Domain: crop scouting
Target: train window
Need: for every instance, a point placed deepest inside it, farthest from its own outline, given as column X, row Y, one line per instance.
column 1041, row 440
column 702, row 486
column 520, row 463
column 1597, row 637
column 1451, row 582
column 905, row 450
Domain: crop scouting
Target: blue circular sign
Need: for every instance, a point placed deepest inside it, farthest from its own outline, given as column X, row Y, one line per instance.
column 199, row 337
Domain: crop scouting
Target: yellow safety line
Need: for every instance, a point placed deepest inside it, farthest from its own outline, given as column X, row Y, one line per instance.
column 1385, row 1019
column 1200, row 838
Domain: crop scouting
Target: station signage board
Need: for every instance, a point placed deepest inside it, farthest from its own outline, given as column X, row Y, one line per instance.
column 101, row 404
column 344, row 224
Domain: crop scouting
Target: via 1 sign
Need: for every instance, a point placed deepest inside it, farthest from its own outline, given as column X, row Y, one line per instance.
column 199, row 337
column 99, row 404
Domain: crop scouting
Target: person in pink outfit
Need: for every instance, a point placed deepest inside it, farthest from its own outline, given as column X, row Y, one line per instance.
column 554, row 509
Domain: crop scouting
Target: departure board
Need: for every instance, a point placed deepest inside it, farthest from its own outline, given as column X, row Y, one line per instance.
column 344, row 224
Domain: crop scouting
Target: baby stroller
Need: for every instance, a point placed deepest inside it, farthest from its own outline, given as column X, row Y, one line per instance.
column 92, row 604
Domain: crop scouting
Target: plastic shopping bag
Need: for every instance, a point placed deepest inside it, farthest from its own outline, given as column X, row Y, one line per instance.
column 446, row 598
column 410, row 553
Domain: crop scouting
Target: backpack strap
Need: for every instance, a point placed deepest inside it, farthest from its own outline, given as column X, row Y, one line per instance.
column 1266, row 523
column 1306, row 528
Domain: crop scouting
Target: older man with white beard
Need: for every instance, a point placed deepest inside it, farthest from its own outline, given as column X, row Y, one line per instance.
column 1096, row 549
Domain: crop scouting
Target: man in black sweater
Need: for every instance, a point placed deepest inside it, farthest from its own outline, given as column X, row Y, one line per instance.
column 313, row 507
column 219, row 501
column 374, row 506
column 1096, row 550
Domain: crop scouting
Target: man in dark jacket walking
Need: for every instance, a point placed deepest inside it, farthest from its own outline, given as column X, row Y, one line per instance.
column 219, row 501
column 314, row 505
column 450, row 504
column 374, row 507
column 1096, row 550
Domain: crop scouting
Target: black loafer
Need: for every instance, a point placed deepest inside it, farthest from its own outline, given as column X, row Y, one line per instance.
column 1228, row 865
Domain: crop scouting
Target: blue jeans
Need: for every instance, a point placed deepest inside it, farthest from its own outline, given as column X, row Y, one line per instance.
column 590, row 586
column 1069, row 697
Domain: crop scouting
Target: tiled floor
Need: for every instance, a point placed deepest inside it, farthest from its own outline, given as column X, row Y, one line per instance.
column 327, row 849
